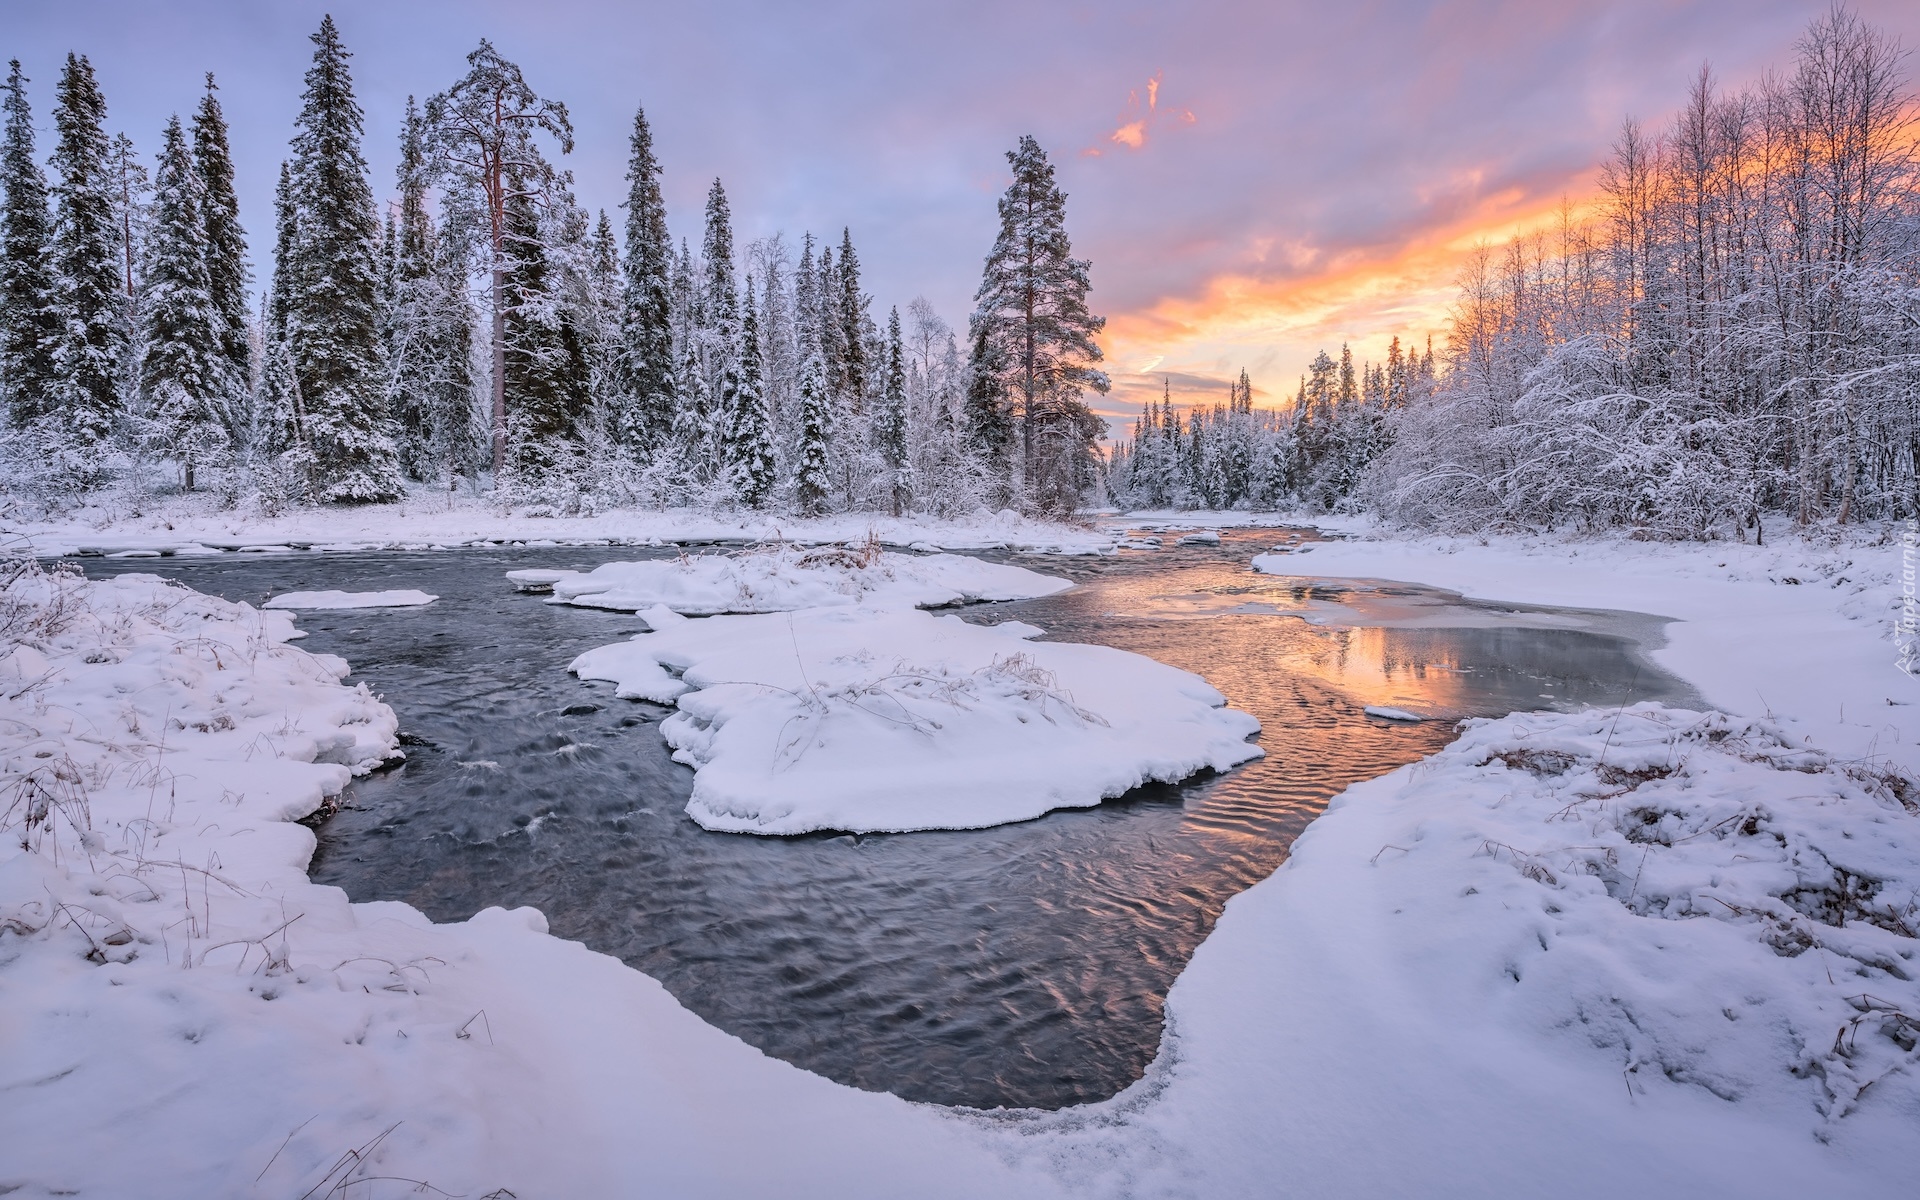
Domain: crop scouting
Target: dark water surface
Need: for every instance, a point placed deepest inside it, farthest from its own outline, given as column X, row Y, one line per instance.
column 1024, row 965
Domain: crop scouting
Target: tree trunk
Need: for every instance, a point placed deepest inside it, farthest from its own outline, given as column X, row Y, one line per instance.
column 496, row 215
column 499, row 370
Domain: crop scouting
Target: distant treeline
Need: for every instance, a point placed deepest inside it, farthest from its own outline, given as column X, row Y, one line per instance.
column 1735, row 331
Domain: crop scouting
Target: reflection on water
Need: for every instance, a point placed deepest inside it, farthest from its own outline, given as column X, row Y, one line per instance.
column 1024, row 965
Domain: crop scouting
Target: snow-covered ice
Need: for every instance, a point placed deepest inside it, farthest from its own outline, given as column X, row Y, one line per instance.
column 784, row 578
column 1387, row 712
column 538, row 580
column 867, row 720
column 319, row 601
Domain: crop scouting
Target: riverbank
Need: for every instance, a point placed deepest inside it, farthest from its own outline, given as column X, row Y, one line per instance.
column 199, row 525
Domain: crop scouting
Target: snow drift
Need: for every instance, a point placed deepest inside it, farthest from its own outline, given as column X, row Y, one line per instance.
column 1691, row 897
column 870, row 720
column 783, row 578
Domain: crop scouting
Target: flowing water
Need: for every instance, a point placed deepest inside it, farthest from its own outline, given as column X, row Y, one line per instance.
column 1024, row 965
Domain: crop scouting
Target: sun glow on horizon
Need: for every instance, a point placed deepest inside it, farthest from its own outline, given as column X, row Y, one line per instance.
column 1192, row 345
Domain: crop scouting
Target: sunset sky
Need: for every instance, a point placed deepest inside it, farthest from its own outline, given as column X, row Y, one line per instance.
column 1251, row 181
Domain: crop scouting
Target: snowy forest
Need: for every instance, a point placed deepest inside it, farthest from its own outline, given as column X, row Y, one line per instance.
column 484, row 330
column 1733, row 330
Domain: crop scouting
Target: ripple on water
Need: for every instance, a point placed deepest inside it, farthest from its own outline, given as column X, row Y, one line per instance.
column 1025, row 965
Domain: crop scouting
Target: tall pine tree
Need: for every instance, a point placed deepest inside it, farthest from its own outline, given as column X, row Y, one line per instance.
column 481, row 134
column 646, row 314
column 719, row 303
column 411, row 354
column 183, row 373
column 1032, row 307
column 29, row 324
column 88, row 291
column 989, row 417
column 890, row 420
column 749, row 442
column 545, row 363
column 851, row 312
column 227, row 273
column 812, row 473
column 331, row 320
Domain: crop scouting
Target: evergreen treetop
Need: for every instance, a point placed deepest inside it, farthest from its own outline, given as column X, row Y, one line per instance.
column 29, row 324
column 87, row 276
column 226, row 243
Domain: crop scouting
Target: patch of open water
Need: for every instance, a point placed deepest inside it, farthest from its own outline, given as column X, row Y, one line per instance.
column 1025, row 965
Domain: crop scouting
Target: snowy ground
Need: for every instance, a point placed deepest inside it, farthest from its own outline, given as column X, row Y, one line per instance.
column 1635, row 952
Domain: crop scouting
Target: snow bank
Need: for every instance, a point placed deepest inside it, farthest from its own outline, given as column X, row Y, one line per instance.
column 342, row 600
column 870, row 720
column 784, row 578
column 433, row 520
column 1691, row 897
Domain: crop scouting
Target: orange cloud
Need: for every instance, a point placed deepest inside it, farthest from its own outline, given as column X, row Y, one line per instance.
column 1136, row 122
column 1274, row 324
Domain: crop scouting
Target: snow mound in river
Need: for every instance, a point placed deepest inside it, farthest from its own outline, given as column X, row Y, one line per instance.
column 320, row 601
column 780, row 579
column 869, row 720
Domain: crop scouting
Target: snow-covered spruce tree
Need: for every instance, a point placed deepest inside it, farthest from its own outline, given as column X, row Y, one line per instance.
column 130, row 194
column 779, row 345
column 275, row 427
column 183, row 374
column 428, row 327
column 89, row 297
column 850, row 305
column 29, row 323
column 1032, row 306
column 595, row 289
column 331, row 321
column 544, row 364
column 890, row 420
column 646, row 313
column 459, row 419
column 812, row 480
column 829, row 331
column 718, row 308
column 227, row 272
column 989, row 416
column 406, row 266
column 749, row 435
column 482, row 139
column 692, row 456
